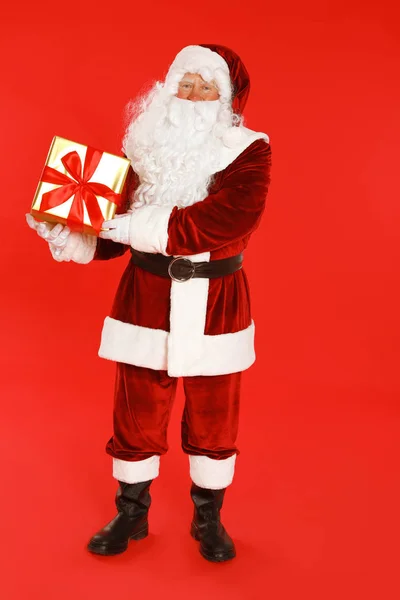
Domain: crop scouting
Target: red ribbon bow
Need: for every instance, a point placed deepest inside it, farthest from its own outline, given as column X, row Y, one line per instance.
column 85, row 191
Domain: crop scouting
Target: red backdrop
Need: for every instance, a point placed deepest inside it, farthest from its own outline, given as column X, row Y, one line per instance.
column 314, row 504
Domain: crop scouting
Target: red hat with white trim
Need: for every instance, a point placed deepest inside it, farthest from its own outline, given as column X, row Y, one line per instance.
column 214, row 63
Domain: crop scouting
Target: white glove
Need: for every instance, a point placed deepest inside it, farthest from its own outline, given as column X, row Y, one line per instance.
column 55, row 235
column 118, row 229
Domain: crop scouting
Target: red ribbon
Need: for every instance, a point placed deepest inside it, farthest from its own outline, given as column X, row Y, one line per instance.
column 84, row 191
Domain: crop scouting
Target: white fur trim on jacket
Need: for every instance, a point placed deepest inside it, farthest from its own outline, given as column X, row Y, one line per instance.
column 211, row 473
column 80, row 248
column 136, row 471
column 237, row 140
column 187, row 322
column 157, row 349
column 148, row 228
column 135, row 345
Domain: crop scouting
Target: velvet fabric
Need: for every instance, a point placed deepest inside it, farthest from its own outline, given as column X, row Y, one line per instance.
column 142, row 408
column 222, row 224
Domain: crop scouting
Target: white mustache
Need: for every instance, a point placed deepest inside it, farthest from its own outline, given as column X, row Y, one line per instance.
column 202, row 114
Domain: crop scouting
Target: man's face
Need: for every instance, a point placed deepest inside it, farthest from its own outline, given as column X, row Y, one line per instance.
column 193, row 87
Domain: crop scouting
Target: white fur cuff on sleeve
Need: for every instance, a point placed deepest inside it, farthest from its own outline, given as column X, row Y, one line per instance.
column 80, row 248
column 148, row 229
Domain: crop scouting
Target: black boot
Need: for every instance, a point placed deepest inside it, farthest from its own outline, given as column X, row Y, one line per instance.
column 133, row 502
column 215, row 543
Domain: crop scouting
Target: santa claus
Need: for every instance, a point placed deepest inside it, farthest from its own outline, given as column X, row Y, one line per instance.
column 195, row 193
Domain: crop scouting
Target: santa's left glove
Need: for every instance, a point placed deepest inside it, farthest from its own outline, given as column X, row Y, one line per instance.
column 65, row 245
column 56, row 235
column 117, row 229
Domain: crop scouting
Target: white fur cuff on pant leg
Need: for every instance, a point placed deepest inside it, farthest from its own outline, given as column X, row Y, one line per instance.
column 211, row 473
column 136, row 471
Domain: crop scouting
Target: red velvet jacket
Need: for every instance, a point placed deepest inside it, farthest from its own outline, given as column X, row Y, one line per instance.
column 201, row 326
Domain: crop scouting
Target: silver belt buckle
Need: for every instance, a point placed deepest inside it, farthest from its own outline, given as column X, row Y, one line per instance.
column 182, row 259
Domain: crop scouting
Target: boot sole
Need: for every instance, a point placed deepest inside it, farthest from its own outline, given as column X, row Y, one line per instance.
column 105, row 550
column 211, row 557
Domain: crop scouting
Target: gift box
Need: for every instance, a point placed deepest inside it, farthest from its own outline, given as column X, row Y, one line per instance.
column 80, row 186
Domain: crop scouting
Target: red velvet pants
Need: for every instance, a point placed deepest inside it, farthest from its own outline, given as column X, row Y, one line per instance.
column 142, row 408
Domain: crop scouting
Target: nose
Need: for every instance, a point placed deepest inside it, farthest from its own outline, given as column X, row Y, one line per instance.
column 194, row 96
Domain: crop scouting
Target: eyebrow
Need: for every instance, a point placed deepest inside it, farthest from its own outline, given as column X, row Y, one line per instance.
column 202, row 83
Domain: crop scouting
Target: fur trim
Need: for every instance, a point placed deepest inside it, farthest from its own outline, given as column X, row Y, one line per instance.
column 80, row 248
column 127, row 343
column 212, row 354
column 210, row 65
column 148, row 229
column 196, row 57
column 187, row 321
column 210, row 473
column 209, row 354
column 237, row 140
column 135, row 471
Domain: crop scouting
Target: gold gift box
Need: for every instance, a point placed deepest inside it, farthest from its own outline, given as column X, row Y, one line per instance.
column 111, row 172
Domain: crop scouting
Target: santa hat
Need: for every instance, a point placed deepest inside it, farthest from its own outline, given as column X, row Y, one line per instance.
column 214, row 63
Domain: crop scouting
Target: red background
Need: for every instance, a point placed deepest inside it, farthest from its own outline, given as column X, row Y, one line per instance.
column 314, row 505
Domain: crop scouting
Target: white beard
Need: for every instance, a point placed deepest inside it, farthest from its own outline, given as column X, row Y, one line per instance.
column 174, row 147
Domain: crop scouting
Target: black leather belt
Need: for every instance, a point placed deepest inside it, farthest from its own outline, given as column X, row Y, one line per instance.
column 180, row 268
